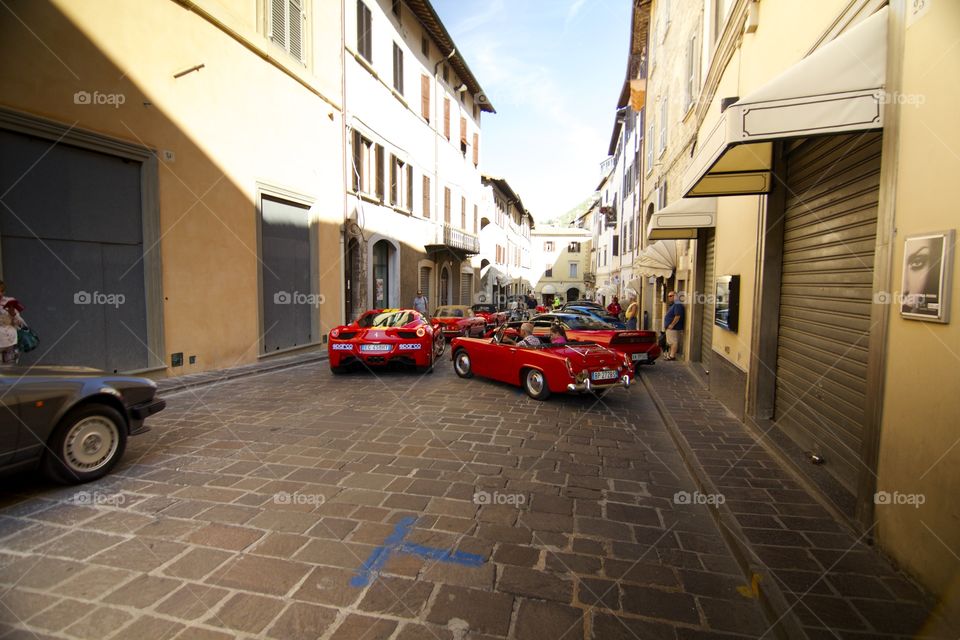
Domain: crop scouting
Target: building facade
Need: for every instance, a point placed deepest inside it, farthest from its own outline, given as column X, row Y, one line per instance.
column 505, row 260
column 561, row 256
column 412, row 111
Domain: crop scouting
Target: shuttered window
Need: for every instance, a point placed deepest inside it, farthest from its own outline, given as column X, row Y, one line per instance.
column 409, row 202
column 425, row 281
column 446, row 205
column 463, row 134
column 381, row 186
column 398, row 68
column 463, row 213
column 364, row 31
column 446, row 117
column 475, row 218
column 476, row 149
column 426, row 196
column 288, row 21
column 425, row 97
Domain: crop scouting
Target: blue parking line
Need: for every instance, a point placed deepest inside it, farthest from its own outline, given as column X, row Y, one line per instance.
column 394, row 543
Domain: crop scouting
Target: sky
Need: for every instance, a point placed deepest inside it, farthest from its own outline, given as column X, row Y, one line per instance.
column 553, row 70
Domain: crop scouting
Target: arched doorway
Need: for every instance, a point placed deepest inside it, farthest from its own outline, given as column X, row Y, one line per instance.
column 381, row 274
column 445, row 286
column 573, row 294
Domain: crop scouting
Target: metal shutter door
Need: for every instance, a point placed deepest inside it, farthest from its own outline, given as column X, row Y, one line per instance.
column 709, row 290
column 826, row 293
column 466, row 286
column 285, row 274
column 425, row 282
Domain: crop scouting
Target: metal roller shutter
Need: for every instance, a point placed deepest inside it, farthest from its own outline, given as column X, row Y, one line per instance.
column 826, row 294
column 709, row 289
column 466, row 288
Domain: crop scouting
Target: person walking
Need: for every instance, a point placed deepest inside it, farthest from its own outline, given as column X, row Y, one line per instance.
column 631, row 314
column 10, row 321
column 420, row 303
column 673, row 323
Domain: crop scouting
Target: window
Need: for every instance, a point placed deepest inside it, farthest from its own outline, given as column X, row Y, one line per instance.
column 476, row 149
column 463, row 135
column 446, row 117
column 446, row 205
column 548, row 245
column 573, row 247
column 548, row 271
column 409, row 188
column 615, row 246
column 573, row 270
column 476, row 112
column 398, row 68
column 401, row 184
column 475, row 218
column 650, row 144
column 288, row 20
column 381, row 187
column 446, row 74
column 364, row 31
column 693, row 72
column 367, row 166
column 425, row 97
column 463, row 213
column 425, row 47
column 663, row 126
column 426, row 196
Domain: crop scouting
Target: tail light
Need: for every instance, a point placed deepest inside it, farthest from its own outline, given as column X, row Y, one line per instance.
column 335, row 333
column 421, row 332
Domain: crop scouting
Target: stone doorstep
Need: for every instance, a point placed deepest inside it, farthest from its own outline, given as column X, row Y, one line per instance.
column 773, row 602
column 193, row 380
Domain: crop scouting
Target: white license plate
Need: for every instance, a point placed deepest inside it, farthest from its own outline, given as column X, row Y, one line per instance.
column 409, row 346
column 641, row 357
column 342, row 347
column 375, row 347
column 606, row 374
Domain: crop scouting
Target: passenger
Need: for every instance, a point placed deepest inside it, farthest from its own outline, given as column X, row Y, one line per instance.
column 557, row 334
column 527, row 337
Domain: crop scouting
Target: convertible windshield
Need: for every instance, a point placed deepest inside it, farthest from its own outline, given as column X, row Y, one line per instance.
column 387, row 319
column 585, row 323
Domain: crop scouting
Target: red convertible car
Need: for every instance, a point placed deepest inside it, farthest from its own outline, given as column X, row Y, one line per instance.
column 386, row 336
column 549, row 368
column 490, row 314
column 640, row 346
column 459, row 320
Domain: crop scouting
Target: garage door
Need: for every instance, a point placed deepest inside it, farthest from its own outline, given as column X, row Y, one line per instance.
column 826, row 294
column 709, row 288
column 72, row 247
column 289, row 302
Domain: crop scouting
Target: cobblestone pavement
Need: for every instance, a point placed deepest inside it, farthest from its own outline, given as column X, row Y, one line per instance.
column 250, row 508
column 832, row 581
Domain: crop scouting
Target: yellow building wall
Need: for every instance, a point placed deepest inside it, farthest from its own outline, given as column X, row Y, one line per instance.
column 920, row 435
column 236, row 122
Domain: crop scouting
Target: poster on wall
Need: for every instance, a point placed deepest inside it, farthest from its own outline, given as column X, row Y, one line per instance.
column 927, row 269
column 380, row 298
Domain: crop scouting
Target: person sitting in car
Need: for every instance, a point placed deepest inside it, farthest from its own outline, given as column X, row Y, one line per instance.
column 557, row 334
column 527, row 339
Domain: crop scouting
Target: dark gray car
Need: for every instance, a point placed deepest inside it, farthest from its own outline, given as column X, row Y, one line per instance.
column 72, row 422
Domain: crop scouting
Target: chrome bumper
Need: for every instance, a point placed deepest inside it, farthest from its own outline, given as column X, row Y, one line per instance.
column 586, row 386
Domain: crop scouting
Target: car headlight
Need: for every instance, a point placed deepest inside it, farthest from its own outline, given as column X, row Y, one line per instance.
column 335, row 333
column 421, row 332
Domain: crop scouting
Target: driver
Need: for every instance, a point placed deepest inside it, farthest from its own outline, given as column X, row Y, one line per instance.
column 527, row 337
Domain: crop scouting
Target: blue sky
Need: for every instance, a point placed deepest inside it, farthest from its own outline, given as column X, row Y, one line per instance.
column 553, row 70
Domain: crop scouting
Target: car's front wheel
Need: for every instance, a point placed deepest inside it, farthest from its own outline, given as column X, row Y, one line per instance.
column 462, row 364
column 535, row 384
column 86, row 444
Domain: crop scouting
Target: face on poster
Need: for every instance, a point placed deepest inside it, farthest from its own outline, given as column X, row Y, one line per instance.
column 924, row 287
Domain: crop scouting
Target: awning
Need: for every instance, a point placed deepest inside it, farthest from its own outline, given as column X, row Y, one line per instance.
column 657, row 260
column 548, row 289
column 681, row 219
column 836, row 89
column 635, row 286
column 607, row 290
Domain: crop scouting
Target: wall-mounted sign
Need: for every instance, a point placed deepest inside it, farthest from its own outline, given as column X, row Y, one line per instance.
column 927, row 271
column 726, row 312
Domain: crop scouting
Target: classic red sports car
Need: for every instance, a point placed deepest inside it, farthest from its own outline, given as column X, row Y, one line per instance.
column 459, row 320
column 640, row 346
column 384, row 336
column 490, row 314
column 541, row 370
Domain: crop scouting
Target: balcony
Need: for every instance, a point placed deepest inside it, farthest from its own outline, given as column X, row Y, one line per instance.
column 456, row 241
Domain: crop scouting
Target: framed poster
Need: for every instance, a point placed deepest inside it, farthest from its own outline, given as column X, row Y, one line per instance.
column 927, row 271
column 726, row 310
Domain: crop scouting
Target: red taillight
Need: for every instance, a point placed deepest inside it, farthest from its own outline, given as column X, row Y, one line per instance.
column 421, row 332
column 335, row 333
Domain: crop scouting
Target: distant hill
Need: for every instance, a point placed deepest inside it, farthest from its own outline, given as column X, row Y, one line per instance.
column 571, row 215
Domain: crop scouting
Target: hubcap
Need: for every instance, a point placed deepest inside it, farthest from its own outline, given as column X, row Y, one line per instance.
column 91, row 443
column 463, row 363
column 535, row 382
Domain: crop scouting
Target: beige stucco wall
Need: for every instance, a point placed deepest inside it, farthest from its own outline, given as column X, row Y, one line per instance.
column 920, row 440
column 224, row 127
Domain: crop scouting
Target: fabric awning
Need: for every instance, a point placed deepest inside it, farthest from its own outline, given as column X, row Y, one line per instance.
column 657, row 260
column 548, row 289
column 635, row 286
column 681, row 219
column 839, row 88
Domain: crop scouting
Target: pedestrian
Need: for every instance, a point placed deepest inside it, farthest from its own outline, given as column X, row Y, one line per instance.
column 614, row 308
column 673, row 323
column 10, row 321
column 632, row 313
column 556, row 302
column 557, row 334
column 420, row 303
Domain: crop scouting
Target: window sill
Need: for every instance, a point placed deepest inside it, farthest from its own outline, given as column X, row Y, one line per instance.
column 399, row 97
column 367, row 197
column 366, row 64
column 404, row 211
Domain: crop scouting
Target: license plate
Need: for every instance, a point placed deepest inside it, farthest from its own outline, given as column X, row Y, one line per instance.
column 342, row 347
column 642, row 357
column 375, row 347
column 606, row 374
column 409, row 346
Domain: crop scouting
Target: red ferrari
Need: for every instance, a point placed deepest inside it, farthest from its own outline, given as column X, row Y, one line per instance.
column 574, row 367
column 489, row 313
column 459, row 320
column 386, row 336
column 640, row 346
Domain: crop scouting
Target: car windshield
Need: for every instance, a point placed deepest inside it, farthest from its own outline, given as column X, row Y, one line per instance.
column 449, row 312
column 486, row 308
column 387, row 319
column 585, row 323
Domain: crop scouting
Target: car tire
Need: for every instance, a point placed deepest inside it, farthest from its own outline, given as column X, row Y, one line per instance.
column 87, row 443
column 535, row 384
column 462, row 364
column 427, row 368
column 441, row 344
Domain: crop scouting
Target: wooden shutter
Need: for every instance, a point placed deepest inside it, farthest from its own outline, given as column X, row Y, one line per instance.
column 410, row 188
column 466, row 288
column 446, row 117
column 357, row 160
column 476, row 149
column 425, row 281
column 475, row 218
column 364, row 37
column 425, row 97
column 393, row 179
column 463, row 131
column 380, row 177
column 463, row 213
column 278, row 22
column 446, row 205
column 398, row 68
column 426, row 196
column 297, row 19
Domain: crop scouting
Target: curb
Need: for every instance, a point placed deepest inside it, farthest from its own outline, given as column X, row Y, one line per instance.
column 192, row 381
column 783, row 621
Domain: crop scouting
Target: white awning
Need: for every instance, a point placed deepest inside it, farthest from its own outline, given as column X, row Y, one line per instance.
column 681, row 219
column 657, row 260
column 607, row 290
column 635, row 286
column 839, row 88
column 549, row 289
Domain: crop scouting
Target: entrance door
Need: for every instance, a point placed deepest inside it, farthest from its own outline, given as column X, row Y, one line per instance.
column 829, row 242
column 381, row 275
column 444, row 286
column 288, row 301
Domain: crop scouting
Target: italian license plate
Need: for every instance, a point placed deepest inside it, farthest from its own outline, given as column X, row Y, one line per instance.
column 338, row 346
column 606, row 374
column 409, row 346
column 375, row 347
column 639, row 357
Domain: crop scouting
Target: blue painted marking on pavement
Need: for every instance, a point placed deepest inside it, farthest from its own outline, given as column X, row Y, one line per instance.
column 394, row 543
